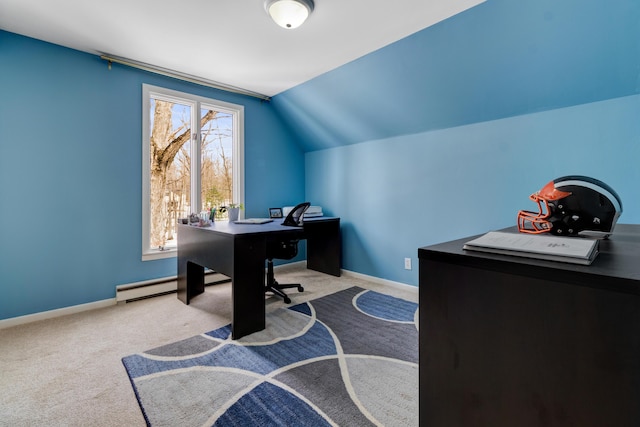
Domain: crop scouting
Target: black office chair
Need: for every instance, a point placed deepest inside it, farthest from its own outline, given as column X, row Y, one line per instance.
column 284, row 249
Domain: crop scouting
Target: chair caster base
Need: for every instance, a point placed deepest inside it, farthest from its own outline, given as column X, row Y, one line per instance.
column 277, row 289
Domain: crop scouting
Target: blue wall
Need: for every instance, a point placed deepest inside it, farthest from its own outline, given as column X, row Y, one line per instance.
column 70, row 174
column 445, row 133
column 440, row 135
column 398, row 194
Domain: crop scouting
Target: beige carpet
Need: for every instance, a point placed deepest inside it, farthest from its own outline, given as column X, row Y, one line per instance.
column 68, row 371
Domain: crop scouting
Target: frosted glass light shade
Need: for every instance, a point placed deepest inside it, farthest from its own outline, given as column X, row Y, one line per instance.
column 289, row 14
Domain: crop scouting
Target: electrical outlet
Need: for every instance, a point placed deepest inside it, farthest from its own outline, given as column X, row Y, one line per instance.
column 407, row 263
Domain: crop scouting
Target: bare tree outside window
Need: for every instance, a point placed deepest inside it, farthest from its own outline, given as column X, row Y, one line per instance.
column 216, row 160
column 174, row 148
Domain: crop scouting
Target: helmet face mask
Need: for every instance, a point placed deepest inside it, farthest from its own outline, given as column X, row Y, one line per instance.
column 539, row 222
column 572, row 205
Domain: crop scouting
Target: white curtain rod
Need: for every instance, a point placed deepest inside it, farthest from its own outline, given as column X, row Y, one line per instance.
column 181, row 76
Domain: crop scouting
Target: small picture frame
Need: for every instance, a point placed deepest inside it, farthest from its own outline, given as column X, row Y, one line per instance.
column 275, row 212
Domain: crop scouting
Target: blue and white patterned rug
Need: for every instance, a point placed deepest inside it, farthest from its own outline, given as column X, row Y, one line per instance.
column 347, row 359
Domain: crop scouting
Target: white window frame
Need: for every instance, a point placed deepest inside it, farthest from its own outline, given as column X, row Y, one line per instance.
column 237, row 111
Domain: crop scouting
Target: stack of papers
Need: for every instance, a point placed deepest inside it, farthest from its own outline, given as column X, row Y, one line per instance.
column 576, row 250
column 253, row 221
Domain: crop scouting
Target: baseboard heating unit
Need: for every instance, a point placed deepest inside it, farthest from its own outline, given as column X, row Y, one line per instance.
column 163, row 285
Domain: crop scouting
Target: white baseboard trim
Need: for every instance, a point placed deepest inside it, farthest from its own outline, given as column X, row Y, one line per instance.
column 123, row 293
column 385, row 282
column 46, row 315
column 151, row 287
column 349, row 273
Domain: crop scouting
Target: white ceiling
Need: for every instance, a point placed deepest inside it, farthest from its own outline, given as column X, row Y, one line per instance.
column 233, row 42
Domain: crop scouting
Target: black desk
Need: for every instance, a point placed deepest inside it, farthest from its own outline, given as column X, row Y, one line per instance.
column 239, row 251
column 509, row 341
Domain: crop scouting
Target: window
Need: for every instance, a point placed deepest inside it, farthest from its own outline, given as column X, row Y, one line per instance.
column 192, row 161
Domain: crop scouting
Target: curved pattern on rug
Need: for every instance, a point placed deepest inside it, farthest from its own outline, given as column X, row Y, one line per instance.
column 347, row 359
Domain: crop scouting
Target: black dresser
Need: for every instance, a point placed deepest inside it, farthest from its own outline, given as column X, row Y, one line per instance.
column 518, row 342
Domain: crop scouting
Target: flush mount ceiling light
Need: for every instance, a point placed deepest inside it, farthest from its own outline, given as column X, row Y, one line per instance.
column 289, row 14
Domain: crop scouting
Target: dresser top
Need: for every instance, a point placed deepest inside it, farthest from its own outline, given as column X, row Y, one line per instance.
column 617, row 266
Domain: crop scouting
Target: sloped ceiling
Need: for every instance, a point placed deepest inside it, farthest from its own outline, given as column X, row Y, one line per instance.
column 496, row 60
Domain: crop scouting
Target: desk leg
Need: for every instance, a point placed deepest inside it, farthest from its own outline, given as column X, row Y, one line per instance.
column 190, row 280
column 191, row 262
column 248, row 287
column 324, row 246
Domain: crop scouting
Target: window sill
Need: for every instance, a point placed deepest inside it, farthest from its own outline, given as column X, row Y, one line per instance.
column 150, row 256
